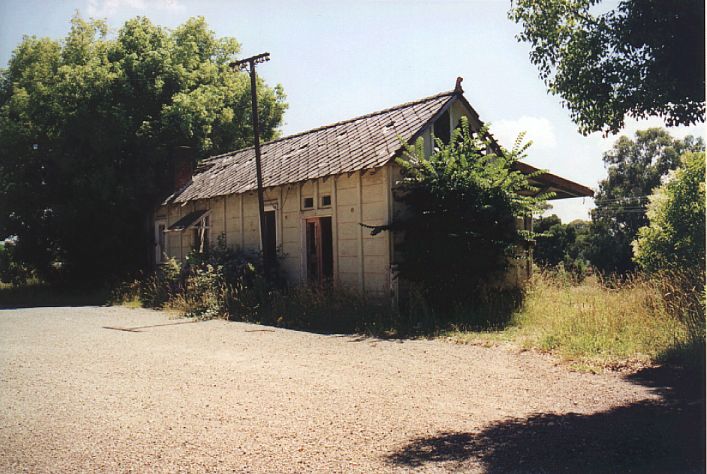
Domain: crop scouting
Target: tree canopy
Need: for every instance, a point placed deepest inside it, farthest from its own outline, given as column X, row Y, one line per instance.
column 675, row 235
column 645, row 57
column 635, row 167
column 88, row 132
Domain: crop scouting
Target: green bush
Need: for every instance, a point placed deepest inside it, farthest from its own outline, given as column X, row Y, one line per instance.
column 12, row 271
column 675, row 234
column 459, row 226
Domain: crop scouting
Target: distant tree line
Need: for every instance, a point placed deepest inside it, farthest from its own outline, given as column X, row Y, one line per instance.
column 639, row 171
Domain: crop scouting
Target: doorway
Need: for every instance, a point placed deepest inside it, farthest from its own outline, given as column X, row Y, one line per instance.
column 319, row 251
column 271, row 236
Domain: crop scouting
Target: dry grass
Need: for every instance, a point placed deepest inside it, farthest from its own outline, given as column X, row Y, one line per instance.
column 596, row 324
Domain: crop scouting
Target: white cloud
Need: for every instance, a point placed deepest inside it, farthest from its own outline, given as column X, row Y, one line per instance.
column 107, row 8
column 570, row 209
column 538, row 129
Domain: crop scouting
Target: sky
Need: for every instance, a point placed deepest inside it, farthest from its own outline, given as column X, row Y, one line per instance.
column 340, row 59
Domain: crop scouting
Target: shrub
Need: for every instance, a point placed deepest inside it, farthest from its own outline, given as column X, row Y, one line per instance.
column 675, row 236
column 12, row 271
column 459, row 227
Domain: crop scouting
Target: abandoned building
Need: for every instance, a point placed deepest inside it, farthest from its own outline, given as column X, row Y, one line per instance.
column 320, row 185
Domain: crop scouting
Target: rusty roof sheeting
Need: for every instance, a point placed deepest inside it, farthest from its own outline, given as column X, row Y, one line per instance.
column 365, row 142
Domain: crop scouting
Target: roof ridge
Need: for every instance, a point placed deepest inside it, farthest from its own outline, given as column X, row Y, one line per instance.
column 335, row 124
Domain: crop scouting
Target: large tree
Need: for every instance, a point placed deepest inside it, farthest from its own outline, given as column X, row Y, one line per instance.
column 89, row 128
column 644, row 57
column 635, row 168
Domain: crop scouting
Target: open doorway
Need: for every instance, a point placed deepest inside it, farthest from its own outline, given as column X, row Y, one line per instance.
column 320, row 255
column 271, row 236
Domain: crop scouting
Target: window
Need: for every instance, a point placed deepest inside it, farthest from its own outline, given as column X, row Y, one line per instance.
column 326, row 200
column 200, row 235
column 160, row 241
column 442, row 127
column 308, row 203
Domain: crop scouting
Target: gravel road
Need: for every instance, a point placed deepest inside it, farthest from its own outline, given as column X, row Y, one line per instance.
column 112, row 389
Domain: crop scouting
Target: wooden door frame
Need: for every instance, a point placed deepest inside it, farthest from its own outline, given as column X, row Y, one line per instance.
column 316, row 220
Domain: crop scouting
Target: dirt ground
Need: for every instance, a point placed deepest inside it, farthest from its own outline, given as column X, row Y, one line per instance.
column 79, row 392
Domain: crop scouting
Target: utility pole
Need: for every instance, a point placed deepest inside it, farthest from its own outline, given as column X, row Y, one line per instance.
column 249, row 63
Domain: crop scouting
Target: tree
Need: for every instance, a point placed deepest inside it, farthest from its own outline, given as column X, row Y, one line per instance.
column 643, row 58
column 634, row 168
column 559, row 244
column 459, row 223
column 89, row 128
column 675, row 235
column 554, row 237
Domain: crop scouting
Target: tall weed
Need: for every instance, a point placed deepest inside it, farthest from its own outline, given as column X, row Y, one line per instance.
column 610, row 322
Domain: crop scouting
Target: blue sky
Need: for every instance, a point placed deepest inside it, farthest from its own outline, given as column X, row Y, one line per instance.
column 337, row 60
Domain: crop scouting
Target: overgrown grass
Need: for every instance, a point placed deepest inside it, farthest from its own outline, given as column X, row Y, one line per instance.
column 228, row 284
column 606, row 324
column 594, row 323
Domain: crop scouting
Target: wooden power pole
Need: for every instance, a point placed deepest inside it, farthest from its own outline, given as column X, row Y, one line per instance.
column 249, row 63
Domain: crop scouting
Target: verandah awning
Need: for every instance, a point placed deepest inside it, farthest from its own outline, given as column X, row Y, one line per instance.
column 188, row 221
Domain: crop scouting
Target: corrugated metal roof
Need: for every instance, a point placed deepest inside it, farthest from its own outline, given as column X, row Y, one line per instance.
column 365, row 142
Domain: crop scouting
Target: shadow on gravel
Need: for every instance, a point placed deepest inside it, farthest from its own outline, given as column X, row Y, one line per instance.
column 650, row 436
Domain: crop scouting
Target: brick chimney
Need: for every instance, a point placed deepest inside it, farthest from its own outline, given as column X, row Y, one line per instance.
column 183, row 166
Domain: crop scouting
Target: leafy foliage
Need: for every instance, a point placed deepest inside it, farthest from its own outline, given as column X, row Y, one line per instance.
column 459, row 223
column 675, row 235
column 11, row 271
column 224, row 282
column 634, row 168
column 88, row 131
column 645, row 57
column 561, row 245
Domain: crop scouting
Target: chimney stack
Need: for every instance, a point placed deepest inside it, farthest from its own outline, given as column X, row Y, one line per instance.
column 183, row 166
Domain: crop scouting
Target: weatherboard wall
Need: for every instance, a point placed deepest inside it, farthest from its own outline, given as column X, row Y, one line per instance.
column 360, row 261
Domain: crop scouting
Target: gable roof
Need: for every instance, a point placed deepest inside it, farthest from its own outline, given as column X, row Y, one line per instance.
column 364, row 142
